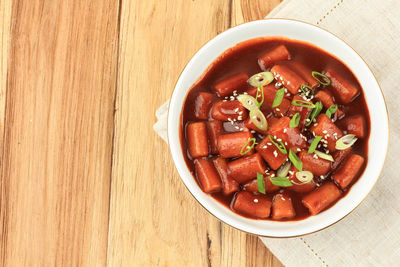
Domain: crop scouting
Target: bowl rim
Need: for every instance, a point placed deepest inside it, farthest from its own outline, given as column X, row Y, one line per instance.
column 200, row 76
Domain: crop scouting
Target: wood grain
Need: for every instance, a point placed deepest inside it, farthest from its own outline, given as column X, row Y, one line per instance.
column 153, row 218
column 61, row 80
column 85, row 181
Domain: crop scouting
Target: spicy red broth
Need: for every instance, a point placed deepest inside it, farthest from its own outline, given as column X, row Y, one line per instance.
column 307, row 121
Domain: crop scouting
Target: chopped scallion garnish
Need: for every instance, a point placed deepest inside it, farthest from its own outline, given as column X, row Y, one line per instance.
column 260, row 93
column 304, row 176
column 260, row 183
column 323, row 155
column 317, row 109
column 295, row 160
column 346, row 141
column 314, row 144
column 331, row 110
column 258, row 119
column 281, row 181
column 261, row 79
column 306, row 89
column 247, row 101
column 284, row 169
column 248, row 146
column 295, row 120
column 279, row 144
column 302, row 103
column 278, row 97
column 321, row 78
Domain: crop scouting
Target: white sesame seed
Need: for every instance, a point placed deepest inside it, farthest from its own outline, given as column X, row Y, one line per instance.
column 224, row 100
column 269, row 144
column 252, row 131
column 279, row 140
column 273, row 175
column 239, row 118
column 315, row 124
column 315, row 156
column 286, row 144
column 324, row 131
column 277, row 109
column 285, row 130
column 255, row 200
column 237, row 127
column 298, row 149
column 236, row 109
column 264, row 147
column 275, row 154
column 245, row 93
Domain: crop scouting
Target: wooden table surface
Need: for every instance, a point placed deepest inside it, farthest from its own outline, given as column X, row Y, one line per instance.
column 84, row 179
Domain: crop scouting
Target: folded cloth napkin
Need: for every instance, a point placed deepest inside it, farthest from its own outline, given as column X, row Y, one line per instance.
column 370, row 235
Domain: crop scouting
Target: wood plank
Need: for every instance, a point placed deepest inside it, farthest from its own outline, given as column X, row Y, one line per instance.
column 58, row 133
column 153, row 218
column 5, row 24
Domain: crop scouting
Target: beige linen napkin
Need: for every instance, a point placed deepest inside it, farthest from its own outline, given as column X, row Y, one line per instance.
column 369, row 236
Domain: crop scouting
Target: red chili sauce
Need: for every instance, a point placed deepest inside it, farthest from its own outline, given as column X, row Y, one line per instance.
column 216, row 129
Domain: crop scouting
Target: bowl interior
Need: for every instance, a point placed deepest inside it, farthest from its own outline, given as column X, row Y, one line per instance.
column 378, row 140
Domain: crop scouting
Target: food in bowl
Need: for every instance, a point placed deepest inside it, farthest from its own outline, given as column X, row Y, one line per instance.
column 276, row 129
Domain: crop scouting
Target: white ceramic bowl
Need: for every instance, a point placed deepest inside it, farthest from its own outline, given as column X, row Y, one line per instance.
column 378, row 140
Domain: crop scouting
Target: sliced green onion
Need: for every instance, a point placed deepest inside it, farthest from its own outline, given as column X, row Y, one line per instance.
column 295, row 160
column 261, row 79
column 279, row 144
column 284, row 169
column 278, row 97
column 314, row 144
column 258, row 119
column 260, row 183
column 248, row 146
column 306, row 89
column 302, row 103
column 321, row 78
column 346, row 141
column 295, row 120
column 323, row 155
column 331, row 110
column 260, row 93
column 304, row 176
column 281, row 181
column 247, row 101
column 317, row 109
